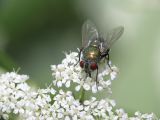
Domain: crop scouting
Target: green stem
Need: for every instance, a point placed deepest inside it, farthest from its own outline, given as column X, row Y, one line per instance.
column 81, row 97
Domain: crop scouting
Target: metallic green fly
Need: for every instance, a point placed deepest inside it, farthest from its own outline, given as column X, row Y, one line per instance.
column 95, row 47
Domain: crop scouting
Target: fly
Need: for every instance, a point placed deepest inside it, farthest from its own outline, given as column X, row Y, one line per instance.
column 95, row 47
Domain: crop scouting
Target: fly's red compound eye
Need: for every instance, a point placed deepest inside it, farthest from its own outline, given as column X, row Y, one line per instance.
column 93, row 66
column 81, row 64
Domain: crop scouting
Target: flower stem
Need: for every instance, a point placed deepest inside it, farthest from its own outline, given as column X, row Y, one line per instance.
column 81, row 97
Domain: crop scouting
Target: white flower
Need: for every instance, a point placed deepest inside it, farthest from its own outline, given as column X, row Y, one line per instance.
column 23, row 87
column 17, row 97
column 145, row 116
column 66, row 73
column 70, row 58
column 121, row 114
column 113, row 75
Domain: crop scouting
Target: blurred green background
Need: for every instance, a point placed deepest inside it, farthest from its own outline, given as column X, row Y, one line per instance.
column 35, row 33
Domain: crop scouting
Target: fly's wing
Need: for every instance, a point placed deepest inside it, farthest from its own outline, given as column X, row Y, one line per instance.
column 89, row 33
column 113, row 36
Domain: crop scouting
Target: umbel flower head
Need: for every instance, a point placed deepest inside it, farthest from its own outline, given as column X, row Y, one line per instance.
column 17, row 97
column 67, row 73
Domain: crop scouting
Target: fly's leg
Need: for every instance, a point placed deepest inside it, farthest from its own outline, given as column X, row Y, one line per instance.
column 89, row 74
column 79, row 56
column 106, row 56
column 97, row 79
column 108, row 62
column 86, row 76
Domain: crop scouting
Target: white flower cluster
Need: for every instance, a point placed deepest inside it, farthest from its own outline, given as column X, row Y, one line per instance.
column 67, row 73
column 48, row 104
column 12, row 88
column 67, row 108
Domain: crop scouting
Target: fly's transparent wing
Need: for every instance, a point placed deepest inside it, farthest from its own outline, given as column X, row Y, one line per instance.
column 89, row 32
column 113, row 36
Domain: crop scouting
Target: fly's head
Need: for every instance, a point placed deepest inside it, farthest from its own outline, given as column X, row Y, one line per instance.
column 88, row 65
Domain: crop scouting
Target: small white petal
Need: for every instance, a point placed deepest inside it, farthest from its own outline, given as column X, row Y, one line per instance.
column 113, row 75
column 52, row 91
column 53, row 67
column 67, row 118
column 59, row 84
column 109, row 109
column 60, row 115
column 113, row 103
column 86, row 86
column 108, row 82
column 68, row 84
column 77, row 88
column 94, row 88
column 63, row 81
column 74, row 117
column 60, row 67
column 61, row 92
column 86, row 102
column 23, row 86
column 100, row 88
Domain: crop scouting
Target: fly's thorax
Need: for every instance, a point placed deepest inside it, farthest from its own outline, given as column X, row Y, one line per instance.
column 91, row 53
column 95, row 43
